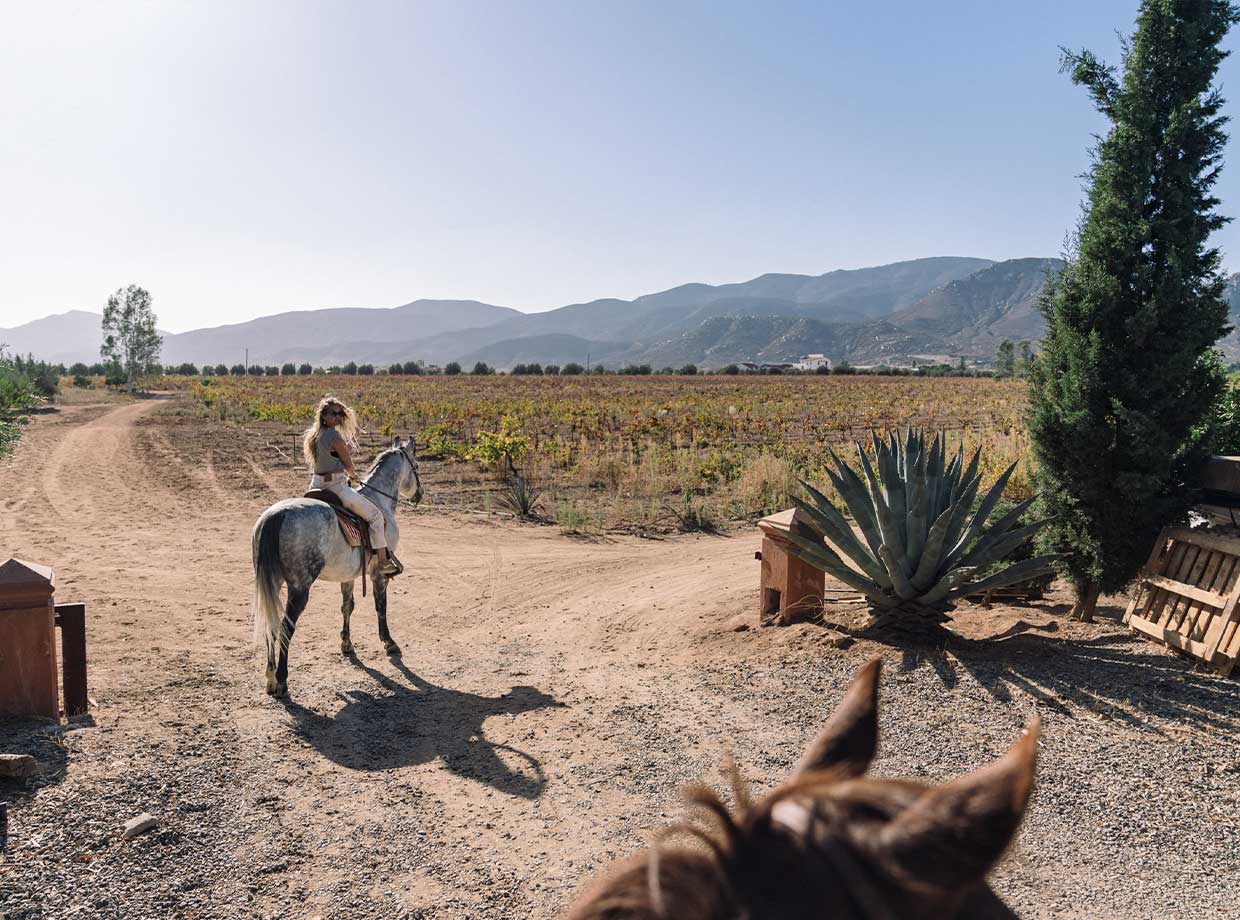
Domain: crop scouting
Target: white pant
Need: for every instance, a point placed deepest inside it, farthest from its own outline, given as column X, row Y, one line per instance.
column 355, row 502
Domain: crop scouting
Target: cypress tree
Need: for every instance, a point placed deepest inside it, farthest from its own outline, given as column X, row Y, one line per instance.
column 1126, row 373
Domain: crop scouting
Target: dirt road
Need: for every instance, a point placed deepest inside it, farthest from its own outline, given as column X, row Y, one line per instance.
column 553, row 694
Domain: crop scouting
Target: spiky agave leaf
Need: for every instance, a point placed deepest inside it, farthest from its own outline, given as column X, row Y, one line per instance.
column 917, row 525
column 831, row 523
column 886, row 520
column 984, row 508
column 1017, row 571
column 819, row 554
column 851, row 489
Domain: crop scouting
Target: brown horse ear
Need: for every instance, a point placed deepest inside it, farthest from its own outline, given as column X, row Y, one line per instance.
column 953, row 835
column 849, row 739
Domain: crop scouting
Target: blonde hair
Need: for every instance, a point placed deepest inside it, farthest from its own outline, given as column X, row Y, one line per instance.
column 347, row 428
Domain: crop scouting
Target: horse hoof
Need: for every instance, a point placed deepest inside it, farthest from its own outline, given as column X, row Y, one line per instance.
column 346, row 647
column 392, row 649
column 279, row 691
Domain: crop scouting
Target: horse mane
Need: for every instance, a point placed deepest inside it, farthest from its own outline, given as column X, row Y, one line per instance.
column 379, row 458
column 732, row 844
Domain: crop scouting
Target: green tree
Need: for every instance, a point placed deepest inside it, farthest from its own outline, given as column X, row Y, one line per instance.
column 1024, row 360
column 1126, row 375
column 482, row 369
column 1005, row 359
column 452, row 368
column 17, row 399
column 129, row 335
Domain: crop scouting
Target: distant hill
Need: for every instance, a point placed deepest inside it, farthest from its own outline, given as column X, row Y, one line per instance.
column 553, row 348
column 334, row 334
column 947, row 306
column 65, row 337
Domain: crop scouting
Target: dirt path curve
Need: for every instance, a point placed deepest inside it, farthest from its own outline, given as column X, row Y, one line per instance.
column 517, row 643
column 553, row 694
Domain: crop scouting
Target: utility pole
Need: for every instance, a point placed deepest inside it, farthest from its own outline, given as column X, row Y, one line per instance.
column 587, row 362
column 247, row 362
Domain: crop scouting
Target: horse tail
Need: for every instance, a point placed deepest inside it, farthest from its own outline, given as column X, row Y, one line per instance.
column 268, row 574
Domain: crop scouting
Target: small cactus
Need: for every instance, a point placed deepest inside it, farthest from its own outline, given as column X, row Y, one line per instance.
column 922, row 544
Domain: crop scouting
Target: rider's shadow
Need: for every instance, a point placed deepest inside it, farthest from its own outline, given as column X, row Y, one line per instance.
column 419, row 722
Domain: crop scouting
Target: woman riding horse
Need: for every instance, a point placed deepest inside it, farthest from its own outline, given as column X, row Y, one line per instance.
column 326, row 445
column 298, row 541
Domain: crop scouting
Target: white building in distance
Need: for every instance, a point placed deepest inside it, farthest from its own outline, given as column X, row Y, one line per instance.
column 812, row 362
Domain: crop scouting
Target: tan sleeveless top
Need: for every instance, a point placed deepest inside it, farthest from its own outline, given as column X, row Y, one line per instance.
column 324, row 460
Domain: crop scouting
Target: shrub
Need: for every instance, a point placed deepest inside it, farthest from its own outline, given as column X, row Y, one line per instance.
column 507, row 446
column 766, row 485
column 518, row 496
column 692, row 515
column 924, row 545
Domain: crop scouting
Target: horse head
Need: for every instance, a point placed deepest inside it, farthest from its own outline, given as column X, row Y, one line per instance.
column 410, row 482
column 832, row 843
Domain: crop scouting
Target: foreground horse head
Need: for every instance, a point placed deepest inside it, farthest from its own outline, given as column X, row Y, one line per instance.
column 831, row 843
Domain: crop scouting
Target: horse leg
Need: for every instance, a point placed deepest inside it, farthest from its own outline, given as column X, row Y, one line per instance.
column 379, row 583
column 297, row 599
column 271, row 668
column 346, row 610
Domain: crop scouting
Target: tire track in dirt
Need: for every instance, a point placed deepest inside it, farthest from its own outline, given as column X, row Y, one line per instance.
column 90, row 461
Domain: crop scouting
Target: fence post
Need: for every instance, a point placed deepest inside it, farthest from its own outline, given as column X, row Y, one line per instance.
column 71, row 618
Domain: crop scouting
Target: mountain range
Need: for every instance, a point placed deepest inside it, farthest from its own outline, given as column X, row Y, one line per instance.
column 934, row 308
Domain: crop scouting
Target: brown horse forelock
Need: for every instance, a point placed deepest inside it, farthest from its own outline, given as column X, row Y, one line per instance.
column 807, row 850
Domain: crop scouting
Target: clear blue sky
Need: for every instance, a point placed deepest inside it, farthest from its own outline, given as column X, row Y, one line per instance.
column 241, row 158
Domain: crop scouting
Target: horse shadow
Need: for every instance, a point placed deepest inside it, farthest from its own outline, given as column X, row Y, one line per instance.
column 417, row 722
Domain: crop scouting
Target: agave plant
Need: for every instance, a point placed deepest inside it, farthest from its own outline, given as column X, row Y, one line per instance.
column 923, row 542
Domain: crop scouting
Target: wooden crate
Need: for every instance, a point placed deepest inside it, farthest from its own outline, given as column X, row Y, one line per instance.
column 1188, row 593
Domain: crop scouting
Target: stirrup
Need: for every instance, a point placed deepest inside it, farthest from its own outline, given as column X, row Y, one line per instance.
column 393, row 566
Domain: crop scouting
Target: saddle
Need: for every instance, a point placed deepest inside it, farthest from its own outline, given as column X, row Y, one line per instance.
column 355, row 530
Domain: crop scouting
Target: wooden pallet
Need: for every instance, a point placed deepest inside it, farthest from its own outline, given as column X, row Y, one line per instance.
column 1187, row 596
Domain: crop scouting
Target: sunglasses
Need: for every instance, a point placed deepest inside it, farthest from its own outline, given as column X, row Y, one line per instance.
column 335, row 412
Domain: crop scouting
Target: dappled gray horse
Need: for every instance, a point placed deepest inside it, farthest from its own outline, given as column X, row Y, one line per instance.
column 297, row 541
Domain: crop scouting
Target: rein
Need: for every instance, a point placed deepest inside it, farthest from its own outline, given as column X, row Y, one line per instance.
column 396, row 498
